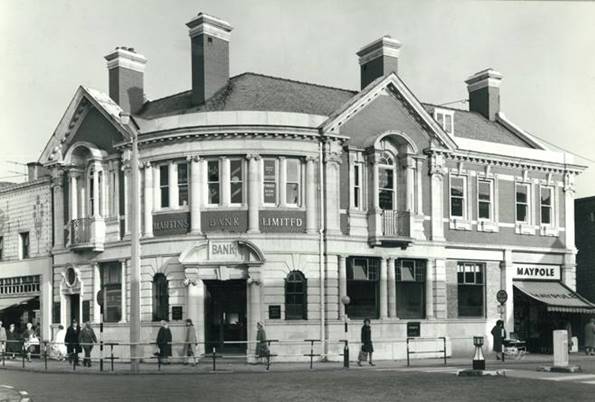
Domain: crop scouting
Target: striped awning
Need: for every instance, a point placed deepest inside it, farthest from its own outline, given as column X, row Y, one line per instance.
column 557, row 296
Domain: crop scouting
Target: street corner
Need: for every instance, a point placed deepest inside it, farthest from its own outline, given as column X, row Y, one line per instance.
column 11, row 394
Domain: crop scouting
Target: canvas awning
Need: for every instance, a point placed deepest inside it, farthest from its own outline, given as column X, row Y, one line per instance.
column 13, row 301
column 557, row 296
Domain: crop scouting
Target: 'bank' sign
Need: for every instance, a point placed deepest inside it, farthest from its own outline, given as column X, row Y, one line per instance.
column 537, row 271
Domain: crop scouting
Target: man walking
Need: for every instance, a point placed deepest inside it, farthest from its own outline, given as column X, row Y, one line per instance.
column 73, row 347
column 164, row 342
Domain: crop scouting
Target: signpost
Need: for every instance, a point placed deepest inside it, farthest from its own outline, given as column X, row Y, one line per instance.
column 502, row 296
column 100, row 299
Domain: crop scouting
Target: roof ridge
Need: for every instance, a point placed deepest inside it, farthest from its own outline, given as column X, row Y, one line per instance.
column 295, row 81
column 167, row 96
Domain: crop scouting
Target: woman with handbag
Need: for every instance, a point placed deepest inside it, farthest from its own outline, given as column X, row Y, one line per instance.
column 262, row 348
column 190, row 343
column 367, row 347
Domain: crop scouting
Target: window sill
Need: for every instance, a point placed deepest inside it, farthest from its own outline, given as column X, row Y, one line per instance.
column 281, row 208
column 487, row 226
column 460, row 224
column 524, row 228
column 171, row 210
column 224, row 208
column 548, row 230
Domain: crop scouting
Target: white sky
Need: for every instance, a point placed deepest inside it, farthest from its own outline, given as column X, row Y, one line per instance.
column 545, row 49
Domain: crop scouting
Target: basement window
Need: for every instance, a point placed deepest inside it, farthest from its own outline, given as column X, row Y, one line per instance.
column 445, row 118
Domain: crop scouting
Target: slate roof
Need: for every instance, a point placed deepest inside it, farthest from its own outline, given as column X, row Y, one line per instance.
column 257, row 92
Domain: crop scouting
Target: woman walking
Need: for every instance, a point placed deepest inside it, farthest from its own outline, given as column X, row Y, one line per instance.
column 190, row 343
column 262, row 348
column 13, row 342
column 367, row 347
column 86, row 339
column 164, row 343
column 58, row 348
column 498, row 335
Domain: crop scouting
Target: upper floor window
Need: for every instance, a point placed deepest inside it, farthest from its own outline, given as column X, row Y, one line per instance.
column 270, row 180
column 546, row 205
column 236, row 179
column 295, row 296
column 164, row 185
column 282, row 174
column 24, row 244
column 457, row 197
column 357, row 185
column 182, row 184
column 522, row 202
column 446, row 119
column 363, row 287
column 292, row 185
column 470, row 289
column 484, row 199
column 386, row 181
column 91, row 192
column 213, row 181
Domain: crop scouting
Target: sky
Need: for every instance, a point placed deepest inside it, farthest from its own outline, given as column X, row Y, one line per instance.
column 544, row 49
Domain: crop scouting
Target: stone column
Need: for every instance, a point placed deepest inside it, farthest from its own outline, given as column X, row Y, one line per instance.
column 123, row 266
column 383, row 290
column 254, row 191
column 156, row 187
column 282, row 181
column 148, row 213
column 419, row 187
column 254, row 316
column 506, row 277
column 96, row 288
column 58, row 189
column 440, row 288
column 195, row 199
column 311, row 193
column 116, row 204
column 332, row 199
column 430, row 290
column 73, row 190
column 568, row 274
column 96, row 201
column 174, row 200
column 437, row 172
column 225, row 195
column 342, row 284
column 196, row 307
column 409, row 165
column 126, row 169
column 392, row 289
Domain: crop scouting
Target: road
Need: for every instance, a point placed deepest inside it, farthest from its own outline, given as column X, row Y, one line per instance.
column 366, row 384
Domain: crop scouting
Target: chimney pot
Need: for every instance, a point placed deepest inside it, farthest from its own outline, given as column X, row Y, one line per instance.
column 378, row 59
column 484, row 93
column 126, row 78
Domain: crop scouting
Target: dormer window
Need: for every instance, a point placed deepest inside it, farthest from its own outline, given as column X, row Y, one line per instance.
column 446, row 119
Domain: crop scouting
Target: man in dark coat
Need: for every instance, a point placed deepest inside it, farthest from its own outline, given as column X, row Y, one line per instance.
column 164, row 342
column 367, row 346
column 498, row 334
column 73, row 347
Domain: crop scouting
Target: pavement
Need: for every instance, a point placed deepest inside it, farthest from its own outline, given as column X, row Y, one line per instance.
column 9, row 393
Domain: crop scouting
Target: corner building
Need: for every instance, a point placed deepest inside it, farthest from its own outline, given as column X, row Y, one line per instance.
column 267, row 199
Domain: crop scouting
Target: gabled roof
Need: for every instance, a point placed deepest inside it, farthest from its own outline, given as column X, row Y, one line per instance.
column 83, row 99
column 255, row 92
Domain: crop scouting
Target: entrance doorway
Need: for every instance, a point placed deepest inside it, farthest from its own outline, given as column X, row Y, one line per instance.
column 74, row 301
column 225, row 316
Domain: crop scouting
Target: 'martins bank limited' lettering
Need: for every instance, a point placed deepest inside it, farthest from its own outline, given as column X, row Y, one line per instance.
column 282, row 222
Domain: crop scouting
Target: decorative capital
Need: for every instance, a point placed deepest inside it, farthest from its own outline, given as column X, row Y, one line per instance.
column 311, row 159
column 569, row 182
column 255, row 157
column 193, row 158
column 57, row 178
column 146, row 164
column 437, row 164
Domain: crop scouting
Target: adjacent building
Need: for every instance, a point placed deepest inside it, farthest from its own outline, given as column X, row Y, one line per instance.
column 584, row 217
column 268, row 199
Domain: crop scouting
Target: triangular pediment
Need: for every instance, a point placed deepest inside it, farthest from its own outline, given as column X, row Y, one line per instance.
column 385, row 105
column 91, row 117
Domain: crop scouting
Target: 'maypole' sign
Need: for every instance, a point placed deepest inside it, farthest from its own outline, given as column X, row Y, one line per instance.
column 537, row 272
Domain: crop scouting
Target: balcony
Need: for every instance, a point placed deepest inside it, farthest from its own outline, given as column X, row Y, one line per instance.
column 87, row 234
column 389, row 228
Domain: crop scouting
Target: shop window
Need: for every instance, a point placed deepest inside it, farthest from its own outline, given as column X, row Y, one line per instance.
column 112, row 291
column 411, row 285
column 270, row 180
column 546, row 205
column 357, row 186
column 160, row 298
column 363, row 287
column 296, row 305
column 522, row 203
column 182, row 184
column 292, row 185
column 164, row 185
column 24, row 244
column 386, row 181
column 470, row 289
column 457, row 197
column 236, row 178
column 213, row 181
column 484, row 200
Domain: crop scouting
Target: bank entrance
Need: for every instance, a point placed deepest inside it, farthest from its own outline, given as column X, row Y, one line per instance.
column 225, row 315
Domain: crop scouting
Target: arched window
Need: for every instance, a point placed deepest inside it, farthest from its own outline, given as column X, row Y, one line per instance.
column 386, row 181
column 160, row 298
column 296, row 304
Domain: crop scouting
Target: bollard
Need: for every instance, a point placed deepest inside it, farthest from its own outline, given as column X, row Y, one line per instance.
column 479, row 362
column 214, row 358
column 111, row 345
column 45, row 354
column 346, row 354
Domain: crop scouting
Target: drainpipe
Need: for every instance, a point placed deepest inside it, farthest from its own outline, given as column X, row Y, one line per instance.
column 321, row 251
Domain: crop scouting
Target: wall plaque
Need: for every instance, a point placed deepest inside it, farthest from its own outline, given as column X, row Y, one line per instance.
column 282, row 221
column 413, row 329
column 171, row 223
column 274, row 312
column 177, row 313
column 224, row 221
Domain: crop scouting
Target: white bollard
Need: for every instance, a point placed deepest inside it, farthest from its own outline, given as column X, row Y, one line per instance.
column 561, row 348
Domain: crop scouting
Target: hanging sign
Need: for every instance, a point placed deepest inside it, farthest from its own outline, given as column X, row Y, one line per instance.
column 502, row 296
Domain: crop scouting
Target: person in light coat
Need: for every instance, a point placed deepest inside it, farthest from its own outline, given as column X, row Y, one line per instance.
column 87, row 339
column 2, row 338
column 190, row 343
column 58, row 348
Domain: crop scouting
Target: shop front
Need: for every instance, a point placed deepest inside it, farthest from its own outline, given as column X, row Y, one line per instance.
column 542, row 303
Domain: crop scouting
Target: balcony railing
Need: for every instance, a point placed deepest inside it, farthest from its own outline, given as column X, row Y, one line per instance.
column 87, row 233
column 395, row 223
column 389, row 228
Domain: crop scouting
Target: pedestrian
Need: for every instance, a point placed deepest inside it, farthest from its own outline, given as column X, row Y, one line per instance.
column 498, row 336
column 262, row 347
column 73, row 347
column 31, row 340
column 58, row 348
column 190, row 343
column 164, row 342
column 86, row 339
column 2, row 338
column 568, row 328
column 590, row 337
column 13, row 341
column 367, row 348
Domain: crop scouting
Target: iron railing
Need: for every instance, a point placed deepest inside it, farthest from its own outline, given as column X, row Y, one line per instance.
column 80, row 231
column 395, row 223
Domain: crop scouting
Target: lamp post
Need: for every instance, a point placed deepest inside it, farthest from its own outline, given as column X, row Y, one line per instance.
column 135, row 326
column 346, row 300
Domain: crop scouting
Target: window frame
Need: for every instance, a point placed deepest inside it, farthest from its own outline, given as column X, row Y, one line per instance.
column 528, row 203
column 209, row 182
column 491, row 207
column 299, row 182
column 242, row 181
column 182, row 184
column 440, row 118
column 462, row 269
column 464, row 197
column 276, row 181
column 107, row 287
column 373, row 283
column 551, row 206
column 158, row 305
column 392, row 167
column 357, row 198
column 24, row 245
column 420, row 267
column 304, row 295
column 164, row 188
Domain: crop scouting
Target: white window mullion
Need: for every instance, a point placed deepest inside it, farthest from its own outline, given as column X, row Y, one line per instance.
column 224, row 184
column 282, row 181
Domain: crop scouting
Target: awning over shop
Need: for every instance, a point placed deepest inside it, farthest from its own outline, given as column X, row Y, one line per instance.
column 14, row 301
column 557, row 296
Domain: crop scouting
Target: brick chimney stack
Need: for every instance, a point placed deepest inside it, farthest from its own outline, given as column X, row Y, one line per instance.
column 126, row 78
column 209, row 37
column 484, row 93
column 378, row 59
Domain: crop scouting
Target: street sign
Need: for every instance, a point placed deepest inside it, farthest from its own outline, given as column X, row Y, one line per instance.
column 502, row 296
column 100, row 297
